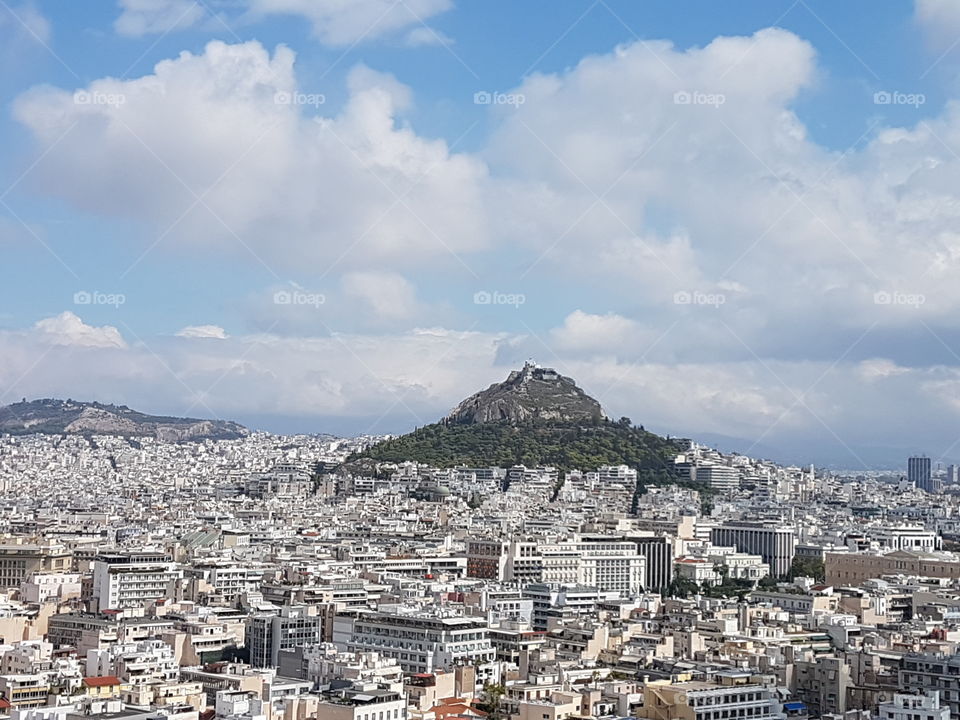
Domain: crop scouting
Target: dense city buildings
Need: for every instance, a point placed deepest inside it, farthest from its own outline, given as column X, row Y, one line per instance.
column 262, row 578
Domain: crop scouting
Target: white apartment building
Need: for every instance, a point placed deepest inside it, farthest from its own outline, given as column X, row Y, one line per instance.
column 617, row 473
column 719, row 477
column 130, row 580
column 420, row 642
column 914, row 707
column 610, row 564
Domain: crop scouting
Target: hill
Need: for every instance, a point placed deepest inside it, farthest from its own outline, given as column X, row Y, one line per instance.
column 70, row 417
column 535, row 417
column 563, row 444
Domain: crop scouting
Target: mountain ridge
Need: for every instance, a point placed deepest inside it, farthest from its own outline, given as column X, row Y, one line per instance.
column 52, row 416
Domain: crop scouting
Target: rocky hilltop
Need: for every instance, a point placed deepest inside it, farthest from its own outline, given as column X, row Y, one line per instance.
column 533, row 393
column 70, row 417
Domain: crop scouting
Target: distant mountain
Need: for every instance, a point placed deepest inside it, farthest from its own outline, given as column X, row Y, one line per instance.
column 535, row 417
column 71, row 417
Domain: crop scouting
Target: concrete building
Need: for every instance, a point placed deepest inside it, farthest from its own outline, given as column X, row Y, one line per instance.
column 422, row 642
column 914, row 707
column 855, row 568
column 288, row 628
column 695, row 700
column 132, row 579
column 19, row 562
column 775, row 544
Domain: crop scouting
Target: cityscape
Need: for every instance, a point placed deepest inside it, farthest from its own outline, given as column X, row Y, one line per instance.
column 458, row 360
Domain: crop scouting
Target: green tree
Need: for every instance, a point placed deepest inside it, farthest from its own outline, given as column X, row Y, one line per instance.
column 493, row 700
column 807, row 567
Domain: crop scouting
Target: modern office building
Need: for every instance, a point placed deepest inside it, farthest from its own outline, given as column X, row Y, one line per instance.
column 919, row 473
column 719, row 477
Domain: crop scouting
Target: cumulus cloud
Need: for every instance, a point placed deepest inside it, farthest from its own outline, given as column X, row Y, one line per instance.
column 68, row 329
column 209, row 133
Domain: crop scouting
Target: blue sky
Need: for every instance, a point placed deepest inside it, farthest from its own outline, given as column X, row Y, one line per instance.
column 725, row 219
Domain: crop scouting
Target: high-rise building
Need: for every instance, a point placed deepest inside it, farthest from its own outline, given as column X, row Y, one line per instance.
column 918, row 473
column 659, row 554
column 953, row 474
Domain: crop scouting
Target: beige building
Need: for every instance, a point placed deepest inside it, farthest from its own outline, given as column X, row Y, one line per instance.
column 733, row 696
column 19, row 562
column 854, row 568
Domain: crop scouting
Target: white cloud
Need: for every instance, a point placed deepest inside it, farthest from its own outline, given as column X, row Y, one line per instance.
column 209, row 133
column 880, row 369
column 68, row 329
column 24, row 32
column 339, row 23
column 389, row 295
column 609, row 334
column 147, row 17
column 940, row 21
column 203, row 331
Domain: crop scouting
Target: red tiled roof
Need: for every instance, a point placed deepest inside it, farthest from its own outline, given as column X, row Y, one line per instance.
column 5, row 703
column 105, row 681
